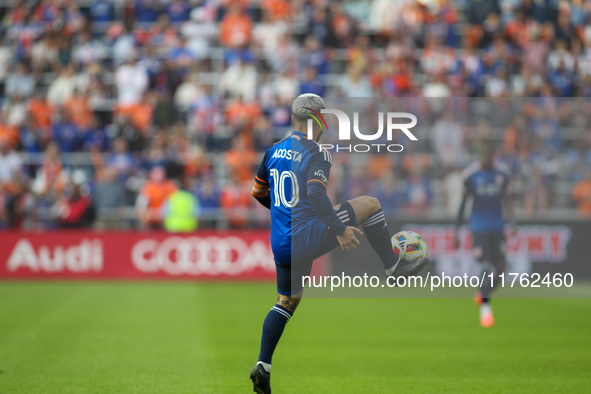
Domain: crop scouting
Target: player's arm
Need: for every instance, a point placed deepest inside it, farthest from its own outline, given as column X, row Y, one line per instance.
column 260, row 188
column 318, row 173
column 460, row 216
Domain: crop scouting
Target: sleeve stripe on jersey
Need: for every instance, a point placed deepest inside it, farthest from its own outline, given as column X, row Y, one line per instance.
column 327, row 155
column 259, row 194
column 259, row 180
column 317, row 180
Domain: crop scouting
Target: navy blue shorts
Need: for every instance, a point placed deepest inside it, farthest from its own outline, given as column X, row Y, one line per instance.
column 489, row 246
column 289, row 276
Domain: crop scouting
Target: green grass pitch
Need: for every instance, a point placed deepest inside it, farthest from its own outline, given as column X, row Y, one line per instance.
column 164, row 337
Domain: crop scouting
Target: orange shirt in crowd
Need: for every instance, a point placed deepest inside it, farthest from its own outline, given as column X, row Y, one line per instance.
column 402, row 81
column 341, row 24
column 517, row 31
column 9, row 134
column 235, row 199
column 473, row 34
column 241, row 162
column 157, row 193
column 196, row 163
column 242, row 3
column 235, row 30
column 582, row 195
column 78, row 108
column 279, row 9
column 378, row 165
column 417, row 160
column 237, row 111
column 41, row 112
column 141, row 114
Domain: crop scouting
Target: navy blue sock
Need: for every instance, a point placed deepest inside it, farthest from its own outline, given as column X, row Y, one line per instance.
column 273, row 327
column 378, row 235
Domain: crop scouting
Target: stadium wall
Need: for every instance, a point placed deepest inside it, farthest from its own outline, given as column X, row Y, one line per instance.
column 246, row 254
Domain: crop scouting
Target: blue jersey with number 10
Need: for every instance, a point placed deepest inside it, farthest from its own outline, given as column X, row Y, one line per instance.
column 287, row 169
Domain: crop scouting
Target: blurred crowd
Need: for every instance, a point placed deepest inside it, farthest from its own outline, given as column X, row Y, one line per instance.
column 104, row 103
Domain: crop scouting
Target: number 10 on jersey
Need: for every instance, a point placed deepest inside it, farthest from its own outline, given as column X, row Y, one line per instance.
column 279, row 189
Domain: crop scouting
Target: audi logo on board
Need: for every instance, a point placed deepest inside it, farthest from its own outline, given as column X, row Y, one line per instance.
column 86, row 256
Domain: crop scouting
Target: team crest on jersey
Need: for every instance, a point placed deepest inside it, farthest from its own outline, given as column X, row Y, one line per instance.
column 336, row 207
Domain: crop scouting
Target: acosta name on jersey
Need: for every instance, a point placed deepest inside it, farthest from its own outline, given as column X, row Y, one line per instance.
column 287, row 154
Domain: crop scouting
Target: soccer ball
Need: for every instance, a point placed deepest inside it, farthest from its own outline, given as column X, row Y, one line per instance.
column 409, row 245
column 410, row 248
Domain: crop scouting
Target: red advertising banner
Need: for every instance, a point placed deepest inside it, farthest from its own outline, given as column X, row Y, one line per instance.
column 536, row 242
column 137, row 255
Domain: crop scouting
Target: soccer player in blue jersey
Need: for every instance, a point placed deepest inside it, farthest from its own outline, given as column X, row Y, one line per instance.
column 488, row 183
column 291, row 181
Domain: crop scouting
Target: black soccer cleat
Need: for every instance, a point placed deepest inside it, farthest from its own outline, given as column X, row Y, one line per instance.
column 261, row 380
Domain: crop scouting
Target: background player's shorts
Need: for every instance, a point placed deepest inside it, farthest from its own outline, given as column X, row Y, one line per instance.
column 289, row 276
column 489, row 247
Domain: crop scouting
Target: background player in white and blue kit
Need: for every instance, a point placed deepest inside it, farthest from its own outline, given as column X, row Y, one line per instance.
column 291, row 181
column 488, row 183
